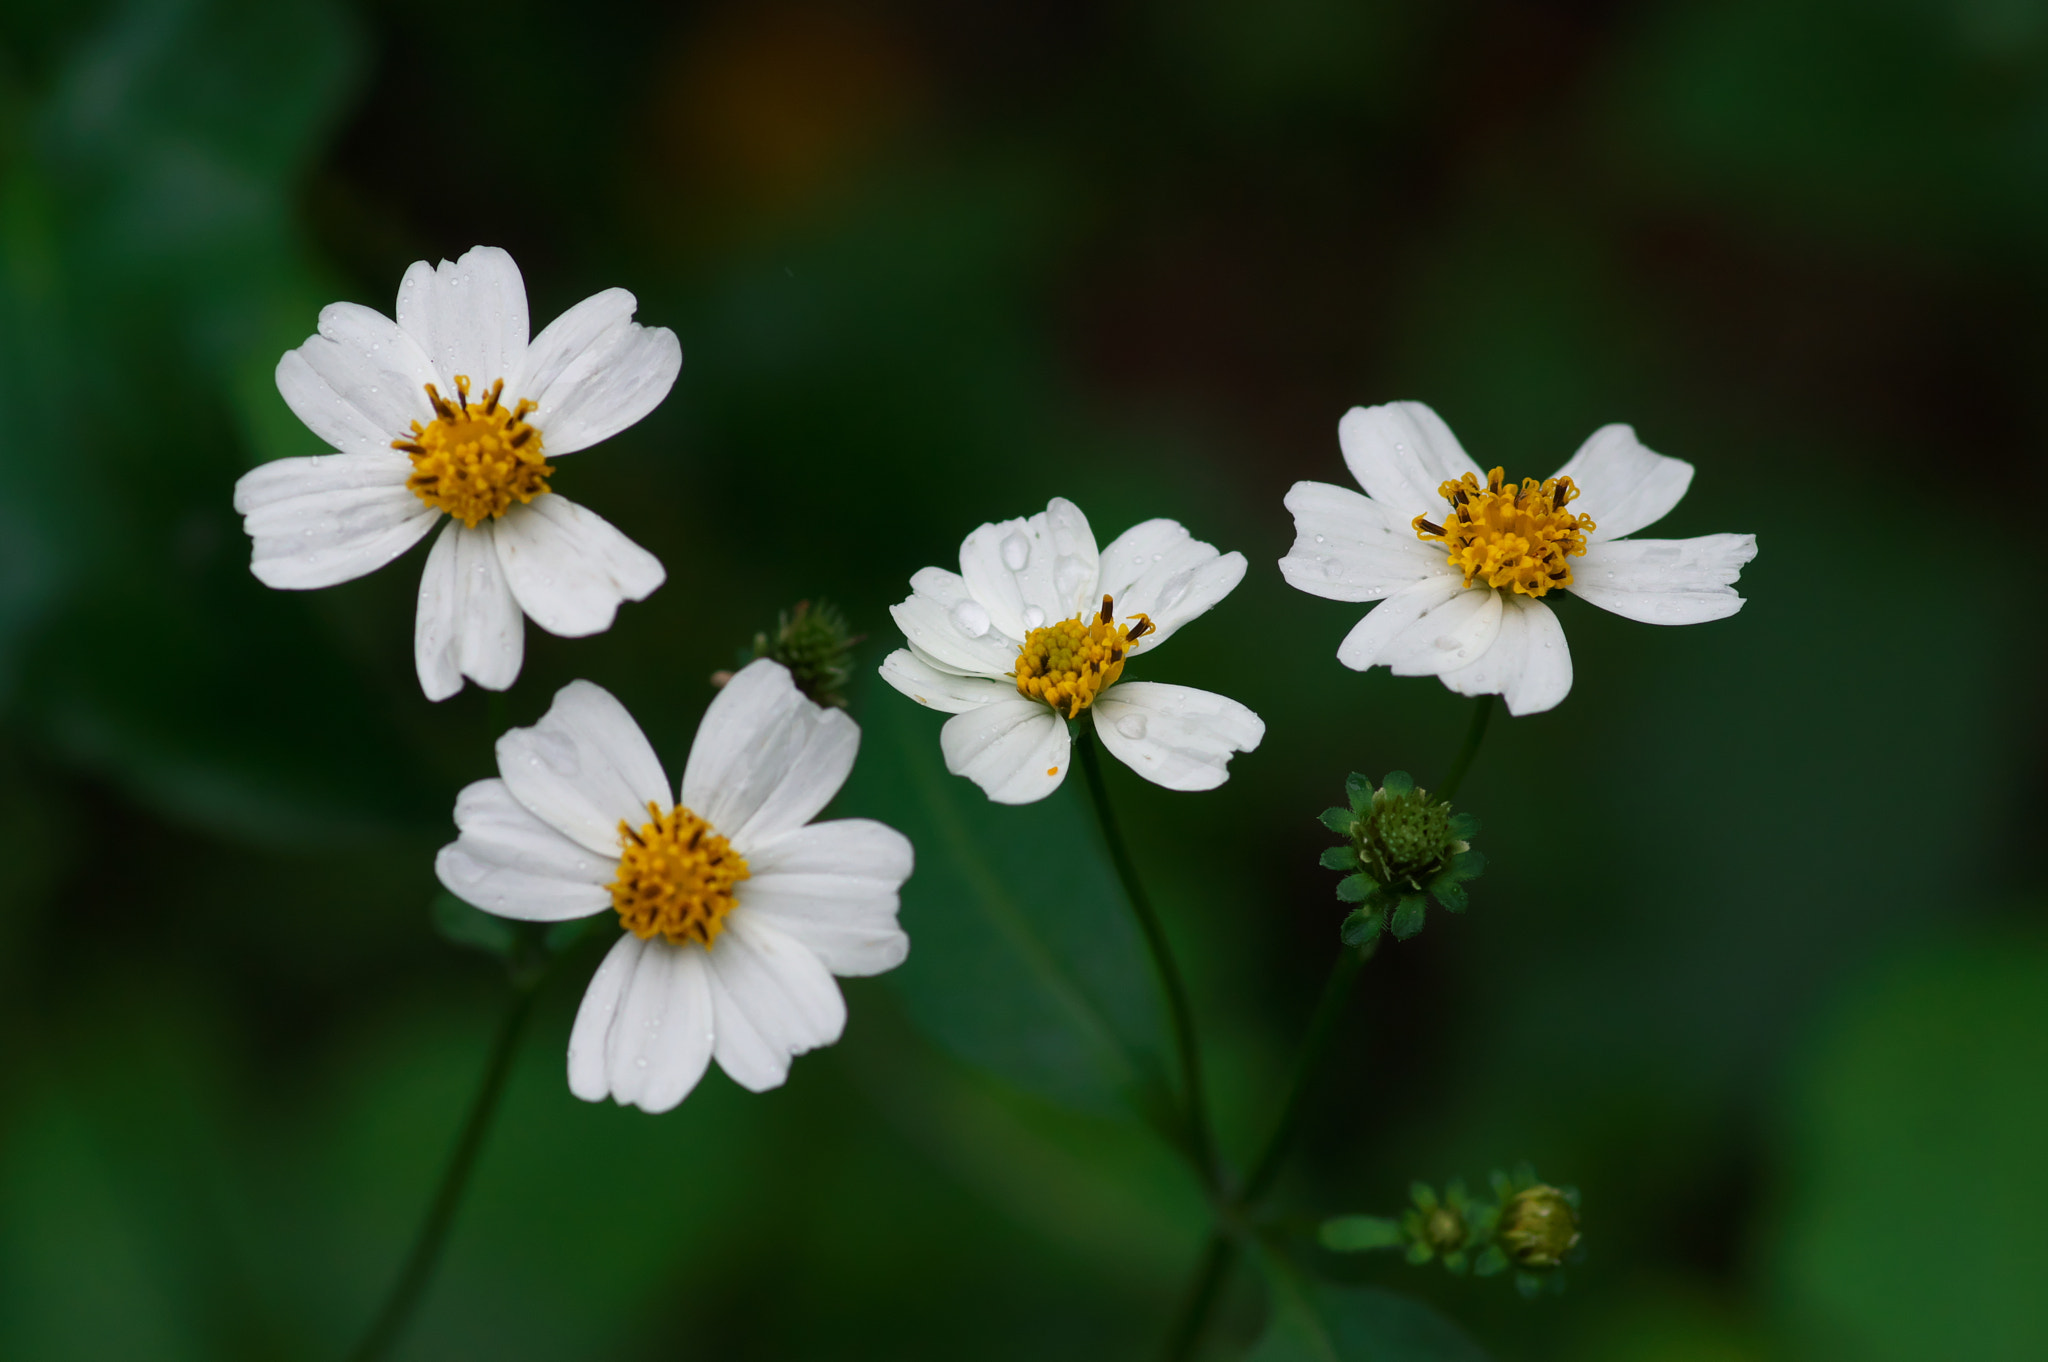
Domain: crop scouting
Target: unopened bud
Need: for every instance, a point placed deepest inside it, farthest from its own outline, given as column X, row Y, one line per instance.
column 1539, row 1227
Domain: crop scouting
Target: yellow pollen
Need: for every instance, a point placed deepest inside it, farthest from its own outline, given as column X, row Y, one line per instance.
column 1510, row 536
column 1070, row 663
column 675, row 878
column 474, row 461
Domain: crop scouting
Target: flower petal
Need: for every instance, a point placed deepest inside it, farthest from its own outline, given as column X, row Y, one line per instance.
column 1665, row 581
column 360, row 362
column 1529, row 664
column 766, row 759
column 1159, row 570
column 1446, row 638
column 570, row 568
column 1365, row 645
column 590, row 1037
column 584, row 768
column 467, row 623
column 562, row 340
column 1401, row 453
column 1623, row 485
column 833, row 887
column 945, row 691
column 952, row 629
column 1016, row 751
column 330, row 518
column 1348, row 547
column 660, row 1042
column 1175, row 736
column 1027, row 573
column 774, row 1000
column 508, row 862
column 617, row 376
column 469, row 317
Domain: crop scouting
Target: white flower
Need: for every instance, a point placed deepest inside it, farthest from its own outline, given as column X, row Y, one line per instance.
column 738, row 909
column 1026, row 636
column 1461, row 559
column 451, row 409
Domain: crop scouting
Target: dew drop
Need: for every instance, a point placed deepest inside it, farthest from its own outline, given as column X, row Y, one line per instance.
column 1319, row 539
column 1016, row 552
column 971, row 618
column 1034, row 618
column 1132, row 726
column 1069, row 576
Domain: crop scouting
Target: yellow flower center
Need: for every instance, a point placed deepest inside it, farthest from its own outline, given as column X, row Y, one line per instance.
column 474, row 461
column 1510, row 536
column 675, row 878
column 1070, row 663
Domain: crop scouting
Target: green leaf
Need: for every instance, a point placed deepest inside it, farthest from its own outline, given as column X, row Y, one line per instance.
column 1356, row 888
column 1408, row 917
column 1450, row 894
column 1317, row 1322
column 1343, row 822
column 1398, row 783
column 1468, row 865
column 1339, row 858
column 472, row 928
column 1358, row 1233
column 1464, row 826
column 1358, row 789
column 1361, row 926
column 1026, row 961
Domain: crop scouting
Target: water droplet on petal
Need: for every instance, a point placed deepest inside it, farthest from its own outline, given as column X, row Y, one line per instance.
column 1173, row 590
column 1132, row 726
column 1034, row 618
column 1069, row 576
column 1016, row 552
column 971, row 618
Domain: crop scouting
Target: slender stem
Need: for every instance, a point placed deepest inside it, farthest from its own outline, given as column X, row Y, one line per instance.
column 1322, row 1028
column 1218, row 1256
column 433, row 1233
column 1473, row 736
column 1196, row 1113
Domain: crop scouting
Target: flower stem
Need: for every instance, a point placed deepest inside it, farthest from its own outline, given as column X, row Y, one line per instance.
column 1473, row 736
column 433, row 1233
column 1195, row 1116
column 1321, row 1028
column 1218, row 1256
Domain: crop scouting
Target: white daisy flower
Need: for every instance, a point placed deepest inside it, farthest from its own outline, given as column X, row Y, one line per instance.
column 1461, row 559
column 738, row 909
column 452, row 410
column 1036, row 629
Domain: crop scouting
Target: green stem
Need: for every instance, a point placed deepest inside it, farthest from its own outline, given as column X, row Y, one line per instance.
column 1322, row 1028
column 1202, row 1143
column 426, row 1249
column 1218, row 1256
column 1473, row 736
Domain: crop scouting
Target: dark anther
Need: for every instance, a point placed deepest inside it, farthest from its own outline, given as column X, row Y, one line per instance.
column 1106, row 610
column 1430, row 527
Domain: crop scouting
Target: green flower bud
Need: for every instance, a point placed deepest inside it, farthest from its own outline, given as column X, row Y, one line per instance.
column 1539, row 1227
column 1402, row 848
column 814, row 643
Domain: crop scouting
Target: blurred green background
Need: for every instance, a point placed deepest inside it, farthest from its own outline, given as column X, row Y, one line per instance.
column 1758, row 963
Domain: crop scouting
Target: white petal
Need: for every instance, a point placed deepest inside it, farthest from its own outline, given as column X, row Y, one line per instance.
column 616, row 378
column 1031, row 572
column 1159, row 570
column 562, row 340
column 943, row 620
column 1348, row 547
column 329, row 519
column 508, row 862
column 1623, row 485
column 1402, row 453
column 1451, row 636
column 1015, row 751
column 469, row 317
column 660, row 1042
column 362, row 362
column 570, row 568
column 833, row 887
column 1175, row 736
column 942, row 690
column 1665, row 581
column 774, row 1000
column 584, row 768
column 1529, row 664
column 1368, row 639
column 467, row 623
column 590, row 1037
column 766, row 759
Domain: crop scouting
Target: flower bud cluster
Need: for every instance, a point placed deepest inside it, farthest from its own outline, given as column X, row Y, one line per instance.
column 815, row 645
column 1402, row 847
column 1528, row 1226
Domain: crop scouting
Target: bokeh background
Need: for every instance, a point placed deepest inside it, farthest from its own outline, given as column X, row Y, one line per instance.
column 1759, row 963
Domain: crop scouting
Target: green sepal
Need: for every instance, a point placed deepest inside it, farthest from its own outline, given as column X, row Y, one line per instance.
column 1423, row 1195
column 1420, row 1253
column 1464, row 826
column 465, row 925
column 1398, row 783
column 1343, row 822
column 1456, row 1261
column 1356, row 888
column 1359, row 1233
column 1339, row 858
column 1361, row 927
column 1358, row 789
column 1491, row 1262
column 1468, row 865
column 1449, row 893
column 1408, row 917
column 1529, row 1284
column 1503, row 1185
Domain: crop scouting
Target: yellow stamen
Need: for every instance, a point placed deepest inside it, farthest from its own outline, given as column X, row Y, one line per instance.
column 675, row 878
column 474, row 461
column 1510, row 536
column 1069, row 663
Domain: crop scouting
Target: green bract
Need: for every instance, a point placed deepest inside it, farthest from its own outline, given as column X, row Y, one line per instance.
column 814, row 643
column 1403, row 847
